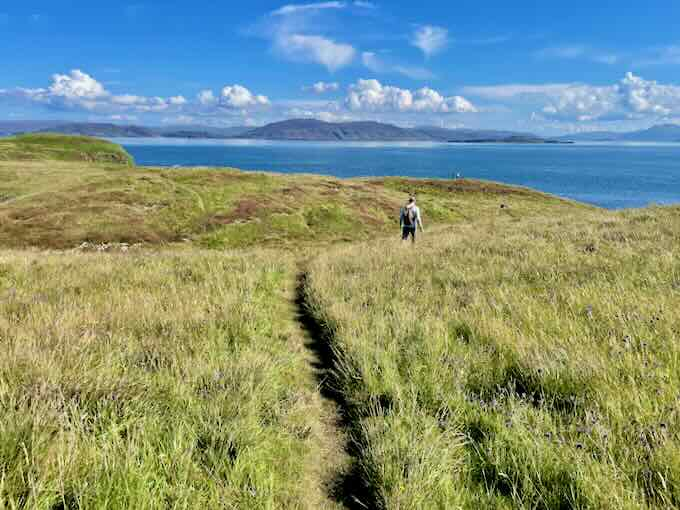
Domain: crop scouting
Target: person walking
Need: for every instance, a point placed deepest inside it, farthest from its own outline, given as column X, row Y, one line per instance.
column 410, row 219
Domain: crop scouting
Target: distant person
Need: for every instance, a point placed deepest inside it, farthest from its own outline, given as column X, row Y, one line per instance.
column 410, row 220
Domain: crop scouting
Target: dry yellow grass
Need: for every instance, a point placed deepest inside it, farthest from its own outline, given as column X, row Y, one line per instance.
column 155, row 380
column 529, row 364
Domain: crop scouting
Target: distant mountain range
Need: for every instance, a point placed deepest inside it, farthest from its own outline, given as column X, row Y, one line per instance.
column 289, row 130
column 316, row 130
column 658, row 133
column 103, row 130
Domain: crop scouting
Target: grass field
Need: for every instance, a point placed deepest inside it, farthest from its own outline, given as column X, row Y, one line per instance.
column 524, row 355
column 62, row 204
column 513, row 365
column 154, row 381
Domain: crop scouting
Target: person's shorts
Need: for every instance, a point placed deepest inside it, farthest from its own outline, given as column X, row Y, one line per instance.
column 408, row 231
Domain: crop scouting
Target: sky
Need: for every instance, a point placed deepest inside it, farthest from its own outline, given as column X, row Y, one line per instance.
column 535, row 66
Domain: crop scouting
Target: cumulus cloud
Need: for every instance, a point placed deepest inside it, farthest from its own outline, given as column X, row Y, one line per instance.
column 206, row 97
column 430, row 39
column 177, row 100
column 76, row 85
column 374, row 63
column 372, row 96
column 79, row 91
column 315, row 48
column 239, row 97
column 632, row 98
column 321, row 87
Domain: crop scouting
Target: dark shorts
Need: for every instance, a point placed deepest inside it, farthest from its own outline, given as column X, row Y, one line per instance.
column 408, row 231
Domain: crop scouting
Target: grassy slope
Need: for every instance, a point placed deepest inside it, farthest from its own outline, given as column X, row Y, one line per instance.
column 146, row 381
column 525, row 357
column 57, row 204
column 532, row 364
column 62, row 148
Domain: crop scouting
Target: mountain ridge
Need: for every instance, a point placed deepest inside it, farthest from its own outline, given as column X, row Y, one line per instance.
column 317, row 130
column 657, row 133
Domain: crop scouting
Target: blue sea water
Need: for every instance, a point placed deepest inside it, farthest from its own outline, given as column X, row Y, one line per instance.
column 614, row 176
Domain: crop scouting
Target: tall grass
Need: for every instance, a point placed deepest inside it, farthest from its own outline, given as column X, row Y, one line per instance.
column 513, row 362
column 153, row 380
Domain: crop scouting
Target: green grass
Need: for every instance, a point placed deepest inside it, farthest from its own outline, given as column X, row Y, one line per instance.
column 530, row 364
column 154, row 381
column 62, row 148
column 48, row 203
column 524, row 355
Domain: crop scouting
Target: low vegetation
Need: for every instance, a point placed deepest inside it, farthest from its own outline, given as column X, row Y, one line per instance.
column 524, row 356
column 530, row 364
column 154, row 381
column 62, row 204
column 52, row 147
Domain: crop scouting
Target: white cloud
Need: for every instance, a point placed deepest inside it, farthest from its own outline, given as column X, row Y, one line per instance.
column 374, row 63
column 80, row 91
column 298, row 8
column 364, row 5
column 206, row 97
column 321, row 87
column 325, row 116
column 372, row 96
column 632, row 98
column 125, row 118
column 76, row 85
column 128, row 100
column 315, row 48
column 239, row 97
column 577, row 51
column 430, row 39
column 177, row 100
column 514, row 90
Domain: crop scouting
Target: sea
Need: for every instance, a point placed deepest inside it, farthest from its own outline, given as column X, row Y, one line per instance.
column 608, row 175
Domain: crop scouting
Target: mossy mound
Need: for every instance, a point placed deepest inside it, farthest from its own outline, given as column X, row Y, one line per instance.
column 63, row 148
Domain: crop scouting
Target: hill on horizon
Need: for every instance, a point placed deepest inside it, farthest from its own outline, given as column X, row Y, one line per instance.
column 657, row 133
column 289, row 130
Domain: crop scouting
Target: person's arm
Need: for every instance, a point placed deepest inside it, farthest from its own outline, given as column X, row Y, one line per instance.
column 401, row 218
column 420, row 221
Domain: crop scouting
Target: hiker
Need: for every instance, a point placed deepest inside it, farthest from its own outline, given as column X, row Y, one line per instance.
column 410, row 220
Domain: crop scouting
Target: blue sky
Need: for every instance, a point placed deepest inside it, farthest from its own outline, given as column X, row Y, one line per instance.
column 534, row 66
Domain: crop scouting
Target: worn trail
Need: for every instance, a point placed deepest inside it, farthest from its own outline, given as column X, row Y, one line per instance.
column 336, row 463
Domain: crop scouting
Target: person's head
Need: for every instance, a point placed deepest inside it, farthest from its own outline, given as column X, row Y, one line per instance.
column 411, row 200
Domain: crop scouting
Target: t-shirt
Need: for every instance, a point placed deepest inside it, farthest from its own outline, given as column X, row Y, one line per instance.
column 404, row 213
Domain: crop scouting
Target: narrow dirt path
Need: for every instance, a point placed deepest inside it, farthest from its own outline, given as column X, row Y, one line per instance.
column 335, row 465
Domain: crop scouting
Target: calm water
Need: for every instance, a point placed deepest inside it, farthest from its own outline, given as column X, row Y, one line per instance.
column 613, row 176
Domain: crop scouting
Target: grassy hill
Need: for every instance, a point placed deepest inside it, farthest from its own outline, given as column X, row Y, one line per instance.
column 52, row 147
column 273, row 345
column 58, row 198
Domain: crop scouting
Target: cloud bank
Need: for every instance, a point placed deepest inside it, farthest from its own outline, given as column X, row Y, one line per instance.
column 372, row 96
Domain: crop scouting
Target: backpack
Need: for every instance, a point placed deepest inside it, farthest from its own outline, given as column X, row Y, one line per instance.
column 410, row 217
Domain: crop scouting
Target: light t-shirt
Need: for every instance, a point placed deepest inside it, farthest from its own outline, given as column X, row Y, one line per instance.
column 402, row 220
